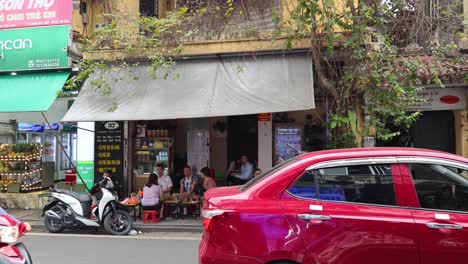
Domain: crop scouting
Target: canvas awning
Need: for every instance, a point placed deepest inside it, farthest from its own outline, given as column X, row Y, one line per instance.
column 198, row 88
column 30, row 92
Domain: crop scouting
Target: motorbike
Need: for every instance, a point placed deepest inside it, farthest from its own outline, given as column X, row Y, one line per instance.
column 12, row 252
column 69, row 209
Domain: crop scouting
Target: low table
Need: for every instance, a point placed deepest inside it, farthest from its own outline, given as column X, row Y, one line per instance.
column 172, row 208
column 191, row 205
column 134, row 207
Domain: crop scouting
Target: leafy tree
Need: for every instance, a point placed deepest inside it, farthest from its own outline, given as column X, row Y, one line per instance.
column 357, row 49
column 360, row 64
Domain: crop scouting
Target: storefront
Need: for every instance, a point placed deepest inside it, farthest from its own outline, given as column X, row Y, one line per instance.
column 192, row 118
column 443, row 124
column 31, row 128
column 33, row 70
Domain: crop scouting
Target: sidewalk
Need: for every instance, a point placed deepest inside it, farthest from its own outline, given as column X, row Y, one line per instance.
column 33, row 216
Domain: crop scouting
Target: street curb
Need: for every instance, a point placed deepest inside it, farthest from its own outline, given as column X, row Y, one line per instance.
column 144, row 228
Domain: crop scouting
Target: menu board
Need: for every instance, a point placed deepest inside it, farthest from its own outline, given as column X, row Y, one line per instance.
column 109, row 149
column 288, row 142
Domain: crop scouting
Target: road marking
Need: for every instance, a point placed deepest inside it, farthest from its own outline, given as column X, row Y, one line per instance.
column 137, row 237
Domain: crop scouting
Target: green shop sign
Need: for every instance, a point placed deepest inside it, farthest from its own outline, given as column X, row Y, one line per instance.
column 37, row 48
column 86, row 171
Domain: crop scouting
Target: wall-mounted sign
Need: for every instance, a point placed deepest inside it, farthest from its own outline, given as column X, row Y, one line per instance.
column 437, row 99
column 264, row 117
column 32, row 49
column 32, row 13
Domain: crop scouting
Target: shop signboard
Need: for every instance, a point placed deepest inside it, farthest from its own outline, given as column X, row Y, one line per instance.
column 109, row 149
column 32, row 13
column 437, row 99
column 29, row 49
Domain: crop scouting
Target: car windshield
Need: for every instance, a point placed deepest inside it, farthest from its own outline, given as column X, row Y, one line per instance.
column 267, row 173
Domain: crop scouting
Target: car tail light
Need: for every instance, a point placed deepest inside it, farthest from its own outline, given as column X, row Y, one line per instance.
column 9, row 234
column 213, row 217
column 9, row 230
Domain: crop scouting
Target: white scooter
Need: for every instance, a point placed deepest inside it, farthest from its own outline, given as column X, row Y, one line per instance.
column 69, row 209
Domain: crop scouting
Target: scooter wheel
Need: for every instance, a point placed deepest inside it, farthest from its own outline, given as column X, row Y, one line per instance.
column 119, row 223
column 52, row 224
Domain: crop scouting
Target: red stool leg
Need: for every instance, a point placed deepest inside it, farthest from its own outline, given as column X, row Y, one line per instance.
column 150, row 216
column 153, row 217
column 158, row 215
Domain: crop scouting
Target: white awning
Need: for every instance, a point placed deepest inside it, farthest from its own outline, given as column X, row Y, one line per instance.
column 198, row 88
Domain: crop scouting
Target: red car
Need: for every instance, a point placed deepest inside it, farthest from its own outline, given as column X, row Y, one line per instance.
column 366, row 206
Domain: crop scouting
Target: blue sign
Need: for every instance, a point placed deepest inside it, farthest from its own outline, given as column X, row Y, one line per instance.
column 25, row 127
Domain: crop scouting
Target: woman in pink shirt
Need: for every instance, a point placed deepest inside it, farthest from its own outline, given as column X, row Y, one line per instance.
column 152, row 194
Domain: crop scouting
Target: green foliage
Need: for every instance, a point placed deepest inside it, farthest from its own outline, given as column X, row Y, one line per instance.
column 148, row 38
column 358, row 64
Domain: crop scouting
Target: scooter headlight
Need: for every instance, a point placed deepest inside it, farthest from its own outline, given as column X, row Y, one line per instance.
column 9, row 234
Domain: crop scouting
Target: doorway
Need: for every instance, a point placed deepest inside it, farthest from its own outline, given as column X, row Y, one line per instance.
column 435, row 130
column 243, row 137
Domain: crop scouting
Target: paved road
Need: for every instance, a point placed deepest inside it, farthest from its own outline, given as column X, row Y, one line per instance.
column 83, row 249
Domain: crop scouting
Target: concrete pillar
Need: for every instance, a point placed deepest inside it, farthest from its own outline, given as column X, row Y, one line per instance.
column 265, row 142
column 461, row 132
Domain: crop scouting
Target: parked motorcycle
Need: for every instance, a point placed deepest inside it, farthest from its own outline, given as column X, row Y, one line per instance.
column 70, row 209
column 10, row 251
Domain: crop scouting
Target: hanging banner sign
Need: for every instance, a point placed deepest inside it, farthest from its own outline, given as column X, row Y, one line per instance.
column 25, row 127
column 32, row 49
column 32, row 13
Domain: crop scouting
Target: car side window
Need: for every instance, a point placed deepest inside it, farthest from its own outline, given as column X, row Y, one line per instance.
column 370, row 184
column 440, row 187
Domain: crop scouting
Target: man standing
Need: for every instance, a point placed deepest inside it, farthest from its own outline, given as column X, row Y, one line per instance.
column 245, row 174
column 164, row 181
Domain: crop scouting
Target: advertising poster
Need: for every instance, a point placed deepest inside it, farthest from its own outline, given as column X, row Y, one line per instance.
column 85, row 163
column 32, row 13
column 288, row 143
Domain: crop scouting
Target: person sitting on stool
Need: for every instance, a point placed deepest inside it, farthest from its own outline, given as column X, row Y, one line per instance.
column 152, row 194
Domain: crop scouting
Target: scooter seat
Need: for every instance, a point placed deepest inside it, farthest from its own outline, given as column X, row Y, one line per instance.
column 82, row 197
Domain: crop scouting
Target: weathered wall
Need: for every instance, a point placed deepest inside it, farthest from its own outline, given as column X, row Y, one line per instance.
column 461, row 132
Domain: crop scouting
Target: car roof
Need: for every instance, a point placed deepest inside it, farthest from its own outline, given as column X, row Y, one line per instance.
column 379, row 152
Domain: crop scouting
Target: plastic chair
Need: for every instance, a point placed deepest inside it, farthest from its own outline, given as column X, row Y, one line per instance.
column 63, row 186
column 79, row 188
column 151, row 215
column 14, row 187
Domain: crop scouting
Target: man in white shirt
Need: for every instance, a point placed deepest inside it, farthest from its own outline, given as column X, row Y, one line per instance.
column 245, row 174
column 164, row 181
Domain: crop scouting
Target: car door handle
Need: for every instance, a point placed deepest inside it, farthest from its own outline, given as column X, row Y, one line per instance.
column 444, row 226
column 312, row 217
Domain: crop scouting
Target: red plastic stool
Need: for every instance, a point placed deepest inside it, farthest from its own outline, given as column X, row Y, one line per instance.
column 153, row 215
